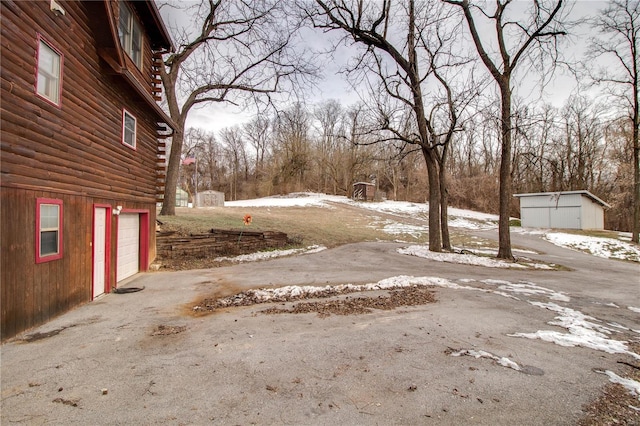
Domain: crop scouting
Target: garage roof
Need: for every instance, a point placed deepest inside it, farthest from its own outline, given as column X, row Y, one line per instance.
column 581, row 192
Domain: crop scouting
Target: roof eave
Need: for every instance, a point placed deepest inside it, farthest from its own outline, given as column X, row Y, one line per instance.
column 146, row 96
column 583, row 192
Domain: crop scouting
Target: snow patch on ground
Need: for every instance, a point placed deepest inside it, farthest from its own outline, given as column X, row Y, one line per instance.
column 528, row 288
column 396, row 228
column 584, row 330
column 468, row 259
column 460, row 222
column 264, row 255
column 297, row 199
column 504, row 361
column 631, row 308
column 602, row 247
column 631, row 385
column 265, row 295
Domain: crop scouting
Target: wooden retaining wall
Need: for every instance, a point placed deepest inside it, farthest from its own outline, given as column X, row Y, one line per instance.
column 217, row 243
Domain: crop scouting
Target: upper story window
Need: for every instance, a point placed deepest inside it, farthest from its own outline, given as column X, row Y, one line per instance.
column 49, row 229
column 130, row 34
column 128, row 129
column 49, row 79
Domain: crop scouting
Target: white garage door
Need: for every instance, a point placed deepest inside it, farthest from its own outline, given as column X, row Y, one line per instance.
column 128, row 245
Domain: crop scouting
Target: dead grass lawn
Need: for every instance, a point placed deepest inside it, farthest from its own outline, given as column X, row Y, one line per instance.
column 330, row 227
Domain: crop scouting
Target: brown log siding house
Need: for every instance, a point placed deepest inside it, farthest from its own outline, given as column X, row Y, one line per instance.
column 81, row 160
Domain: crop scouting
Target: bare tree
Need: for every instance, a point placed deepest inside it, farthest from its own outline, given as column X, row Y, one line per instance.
column 618, row 26
column 291, row 146
column 236, row 155
column 353, row 153
column 328, row 116
column 515, row 40
column 403, row 43
column 257, row 133
column 239, row 51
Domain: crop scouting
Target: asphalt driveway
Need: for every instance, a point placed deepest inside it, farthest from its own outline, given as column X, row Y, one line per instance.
column 145, row 358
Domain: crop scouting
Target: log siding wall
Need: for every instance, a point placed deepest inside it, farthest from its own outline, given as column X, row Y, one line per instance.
column 72, row 152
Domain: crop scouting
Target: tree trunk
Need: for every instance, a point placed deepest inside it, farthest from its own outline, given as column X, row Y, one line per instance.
column 504, row 233
column 635, row 228
column 444, row 206
column 636, row 176
column 173, row 169
column 435, row 242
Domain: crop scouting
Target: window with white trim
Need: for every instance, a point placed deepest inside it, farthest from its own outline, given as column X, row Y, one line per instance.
column 49, row 72
column 130, row 34
column 128, row 129
column 49, row 230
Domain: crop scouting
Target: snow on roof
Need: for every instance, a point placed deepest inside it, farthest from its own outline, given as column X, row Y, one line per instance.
column 581, row 192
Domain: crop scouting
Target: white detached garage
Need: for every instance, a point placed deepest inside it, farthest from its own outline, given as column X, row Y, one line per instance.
column 563, row 210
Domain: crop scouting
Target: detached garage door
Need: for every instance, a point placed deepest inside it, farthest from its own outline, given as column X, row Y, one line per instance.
column 128, row 245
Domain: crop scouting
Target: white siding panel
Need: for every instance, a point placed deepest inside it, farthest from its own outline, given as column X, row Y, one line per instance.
column 592, row 215
column 565, row 218
column 128, row 245
column 532, row 217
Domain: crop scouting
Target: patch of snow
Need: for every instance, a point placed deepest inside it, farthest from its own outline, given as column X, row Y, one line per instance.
column 396, row 207
column 631, row 385
column 264, row 255
column 396, row 228
column 494, row 252
column 299, row 199
column 620, row 326
column 602, row 247
column 264, row 295
column 504, row 361
column 452, row 211
column 526, row 287
column 467, row 259
column 529, row 231
column 495, row 282
column 631, row 308
column 459, row 222
column 583, row 330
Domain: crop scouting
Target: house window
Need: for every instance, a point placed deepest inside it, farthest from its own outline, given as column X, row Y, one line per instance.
column 130, row 34
column 49, row 230
column 49, row 72
column 128, row 129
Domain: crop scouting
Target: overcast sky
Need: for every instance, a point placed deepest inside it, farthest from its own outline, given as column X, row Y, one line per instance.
column 332, row 85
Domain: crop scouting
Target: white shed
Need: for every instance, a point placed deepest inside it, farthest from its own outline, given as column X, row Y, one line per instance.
column 563, row 210
column 210, row 198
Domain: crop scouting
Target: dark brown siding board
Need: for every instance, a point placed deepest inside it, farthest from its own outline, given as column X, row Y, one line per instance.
column 10, row 216
column 18, row 211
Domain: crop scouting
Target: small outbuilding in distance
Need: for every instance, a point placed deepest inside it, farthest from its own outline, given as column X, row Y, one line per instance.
column 210, row 198
column 364, row 191
column 562, row 210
